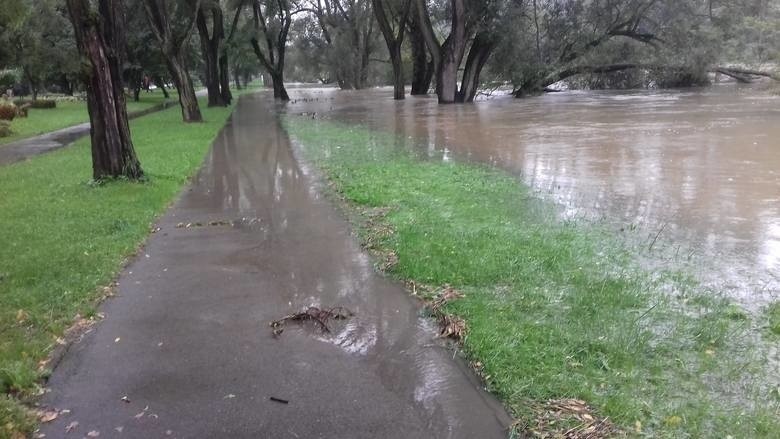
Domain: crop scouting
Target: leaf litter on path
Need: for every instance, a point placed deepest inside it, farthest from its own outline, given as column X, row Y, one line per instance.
column 319, row 316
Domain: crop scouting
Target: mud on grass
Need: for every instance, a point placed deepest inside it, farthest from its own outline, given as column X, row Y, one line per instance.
column 63, row 239
column 556, row 311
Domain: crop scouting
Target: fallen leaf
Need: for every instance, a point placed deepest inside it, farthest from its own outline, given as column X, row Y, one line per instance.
column 119, row 429
column 22, row 316
column 47, row 416
column 72, row 426
column 93, row 433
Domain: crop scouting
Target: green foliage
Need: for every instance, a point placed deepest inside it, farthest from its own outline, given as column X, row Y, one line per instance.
column 52, row 216
column 555, row 309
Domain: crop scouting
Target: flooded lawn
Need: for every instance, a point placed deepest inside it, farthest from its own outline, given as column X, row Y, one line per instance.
column 699, row 169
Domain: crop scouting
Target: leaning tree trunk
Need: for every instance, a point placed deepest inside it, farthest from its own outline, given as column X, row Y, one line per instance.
column 479, row 53
column 278, row 84
column 97, row 37
column 190, row 110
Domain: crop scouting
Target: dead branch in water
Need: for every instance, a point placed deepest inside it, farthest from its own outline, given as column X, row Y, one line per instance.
column 317, row 315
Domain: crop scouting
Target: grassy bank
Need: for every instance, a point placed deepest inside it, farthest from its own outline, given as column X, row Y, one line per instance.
column 555, row 310
column 66, row 114
column 63, row 238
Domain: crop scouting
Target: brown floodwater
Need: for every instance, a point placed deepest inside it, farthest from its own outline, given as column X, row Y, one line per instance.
column 698, row 168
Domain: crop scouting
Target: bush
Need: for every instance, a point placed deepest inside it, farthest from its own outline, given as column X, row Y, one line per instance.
column 7, row 111
column 8, row 79
column 5, row 128
column 43, row 104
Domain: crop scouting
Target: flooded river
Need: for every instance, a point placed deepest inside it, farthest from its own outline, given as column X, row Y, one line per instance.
column 700, row 169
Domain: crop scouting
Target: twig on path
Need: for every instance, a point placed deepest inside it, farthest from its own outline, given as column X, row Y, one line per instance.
column 314, row 314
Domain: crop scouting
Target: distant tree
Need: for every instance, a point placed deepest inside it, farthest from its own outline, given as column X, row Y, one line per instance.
column 272, row 20
column 392, row 16
column 100, row 37
column 215, row 58
column 172, row 22
column 38, row 40
column 349, row 38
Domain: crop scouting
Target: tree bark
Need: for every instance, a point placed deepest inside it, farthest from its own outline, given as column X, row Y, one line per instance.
column 273, row 61
column 210, row 50
column 422, row 68
column 452, row 54
column 394, row 43
column 480, row 51
column 97, row 35
column 173, row 51
column 224, row 78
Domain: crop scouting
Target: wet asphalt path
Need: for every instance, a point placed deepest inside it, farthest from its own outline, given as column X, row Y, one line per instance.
column 187, row 339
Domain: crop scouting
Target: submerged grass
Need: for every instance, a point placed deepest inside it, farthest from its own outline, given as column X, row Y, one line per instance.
column 63, row 238
column 555, row 309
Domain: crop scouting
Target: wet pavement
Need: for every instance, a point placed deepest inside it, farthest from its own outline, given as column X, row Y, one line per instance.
column 702, row 166
column 187, row 339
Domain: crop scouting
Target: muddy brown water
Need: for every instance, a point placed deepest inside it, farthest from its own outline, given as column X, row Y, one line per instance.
column 700, row 166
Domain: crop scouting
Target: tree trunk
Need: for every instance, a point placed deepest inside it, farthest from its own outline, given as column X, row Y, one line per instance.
column 173, row 47
column 209, row 46
column 452, row 54
column 224, row 78
column 113, row 154
column 237, row 79
column 422, row 68
column 278, row 84
column 479, row 53
column 190, row 110
column 161, row 85
column 394, row 42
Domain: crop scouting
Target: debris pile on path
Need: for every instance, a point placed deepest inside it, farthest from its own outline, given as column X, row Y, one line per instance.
column 569, row 419
column 314, row 314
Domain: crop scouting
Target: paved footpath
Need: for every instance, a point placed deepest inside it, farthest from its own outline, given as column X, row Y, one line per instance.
column 187, row 339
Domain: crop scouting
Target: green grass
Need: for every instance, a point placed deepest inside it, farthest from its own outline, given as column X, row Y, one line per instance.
column 63, row 238
column 68, row 113
column 555, row 309
column 773, row 318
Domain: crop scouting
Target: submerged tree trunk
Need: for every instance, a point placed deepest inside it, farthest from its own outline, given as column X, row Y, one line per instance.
column 98, row 37
column 452, row 54
column 394, row 42
column 480, row 51
column 190, row 109
column 422, row 68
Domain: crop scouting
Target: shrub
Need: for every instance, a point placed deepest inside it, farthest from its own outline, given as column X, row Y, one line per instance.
column 8, row 79
column 7, row 111
column 43, row 104
column 21, row 110
column 5, row 128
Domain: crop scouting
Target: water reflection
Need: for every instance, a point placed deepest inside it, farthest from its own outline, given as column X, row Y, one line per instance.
column 703, row 164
